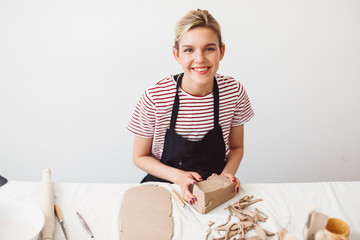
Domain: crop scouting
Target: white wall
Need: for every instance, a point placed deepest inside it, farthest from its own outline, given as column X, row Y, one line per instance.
column 71, row 72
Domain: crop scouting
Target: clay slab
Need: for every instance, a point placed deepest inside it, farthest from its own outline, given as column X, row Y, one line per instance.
column 146, row 213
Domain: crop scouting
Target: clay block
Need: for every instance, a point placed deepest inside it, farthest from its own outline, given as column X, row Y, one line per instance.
column 212, row 192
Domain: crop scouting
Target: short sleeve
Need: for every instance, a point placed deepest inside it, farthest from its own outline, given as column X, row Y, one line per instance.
column 142, row 121
column 243, row 110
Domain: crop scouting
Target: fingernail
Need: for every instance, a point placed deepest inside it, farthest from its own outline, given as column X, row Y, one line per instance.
column 193, row 199
column 237, row 190
column 233, row 180
column 191, row 202
column 201, row 178
column 194, row 182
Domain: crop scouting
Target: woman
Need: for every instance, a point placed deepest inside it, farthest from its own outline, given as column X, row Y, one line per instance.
column 191, row 125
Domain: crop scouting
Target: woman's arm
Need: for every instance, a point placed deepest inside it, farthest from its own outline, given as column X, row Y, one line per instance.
column 142, row 158
column 236, row 144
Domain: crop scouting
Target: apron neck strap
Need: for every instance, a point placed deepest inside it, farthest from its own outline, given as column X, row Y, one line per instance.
column 175, row 110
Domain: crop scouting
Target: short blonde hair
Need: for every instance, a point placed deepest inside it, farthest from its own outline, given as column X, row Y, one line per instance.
column 194, row 19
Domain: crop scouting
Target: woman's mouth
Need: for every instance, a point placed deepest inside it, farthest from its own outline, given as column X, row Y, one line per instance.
column 201, row 69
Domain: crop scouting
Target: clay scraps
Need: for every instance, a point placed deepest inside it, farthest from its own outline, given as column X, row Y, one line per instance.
column 247, row 220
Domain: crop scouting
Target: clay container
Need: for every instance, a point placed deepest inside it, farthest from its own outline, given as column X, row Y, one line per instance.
column 212, row 192
column 337, row 229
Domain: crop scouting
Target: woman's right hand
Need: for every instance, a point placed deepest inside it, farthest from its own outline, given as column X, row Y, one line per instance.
column 184, row 180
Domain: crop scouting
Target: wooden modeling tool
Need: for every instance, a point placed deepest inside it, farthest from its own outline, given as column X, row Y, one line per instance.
column 59, row 216
column 185, row 207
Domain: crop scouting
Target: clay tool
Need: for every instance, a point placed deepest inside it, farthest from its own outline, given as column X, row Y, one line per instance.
column 59, row 216
column 185, row 207
column 85, row 225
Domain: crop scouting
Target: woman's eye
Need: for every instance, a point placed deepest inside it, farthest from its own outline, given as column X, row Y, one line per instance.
column 188, row 50
column 210, row 49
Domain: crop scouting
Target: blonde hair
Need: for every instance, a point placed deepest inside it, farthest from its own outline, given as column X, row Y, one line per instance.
column 194, row 19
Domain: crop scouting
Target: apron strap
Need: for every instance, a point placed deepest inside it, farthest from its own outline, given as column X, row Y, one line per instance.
column 175, row 110
column 176, row 104
column 216, row 103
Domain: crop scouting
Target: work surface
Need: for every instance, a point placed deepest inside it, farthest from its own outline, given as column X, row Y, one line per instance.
column 286, row 204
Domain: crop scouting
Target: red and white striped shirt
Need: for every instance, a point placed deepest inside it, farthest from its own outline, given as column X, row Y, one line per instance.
column 151, row 117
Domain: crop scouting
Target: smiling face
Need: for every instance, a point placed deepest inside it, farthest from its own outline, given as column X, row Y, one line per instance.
column 199, row 55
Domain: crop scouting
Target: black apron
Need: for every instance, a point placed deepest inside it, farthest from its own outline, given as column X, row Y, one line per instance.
column 206, row 156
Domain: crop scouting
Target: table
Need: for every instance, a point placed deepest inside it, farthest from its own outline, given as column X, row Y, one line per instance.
column 284, row 203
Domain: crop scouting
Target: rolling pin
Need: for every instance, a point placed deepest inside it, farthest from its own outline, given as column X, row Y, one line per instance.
column 47, row 205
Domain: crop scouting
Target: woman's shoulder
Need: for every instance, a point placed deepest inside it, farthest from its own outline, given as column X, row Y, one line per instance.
column 163, row 88
column 227, row 82
column 226, row 79
column 164, row 83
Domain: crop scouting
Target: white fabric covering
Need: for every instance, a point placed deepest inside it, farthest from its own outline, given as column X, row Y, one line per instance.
column 284, row 203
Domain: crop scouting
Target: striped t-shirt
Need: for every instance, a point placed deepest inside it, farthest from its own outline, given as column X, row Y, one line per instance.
column 151, row 117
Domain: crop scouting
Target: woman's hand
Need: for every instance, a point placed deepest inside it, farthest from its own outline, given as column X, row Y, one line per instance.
column 184, row 180
column 233, row 179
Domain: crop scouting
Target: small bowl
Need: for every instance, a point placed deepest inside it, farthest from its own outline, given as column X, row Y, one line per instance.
column 20, row 221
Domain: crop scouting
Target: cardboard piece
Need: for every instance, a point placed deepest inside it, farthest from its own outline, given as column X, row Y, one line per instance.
column 146, row 213
column 212, row 192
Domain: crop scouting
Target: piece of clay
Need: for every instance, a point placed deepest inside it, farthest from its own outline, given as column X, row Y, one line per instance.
column 318, row 222
column 253, row 238
column 260, row 232
column 212, row 192
column 146, row 213
column 208, row 232
column 248, row 220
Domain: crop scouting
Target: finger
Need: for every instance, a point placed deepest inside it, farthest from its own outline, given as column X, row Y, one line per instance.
column 237, row 186
column 232, row 178
column 190, row 181
column 189, row 197
column 197, row 176
column 184, row 191
column 189, row 194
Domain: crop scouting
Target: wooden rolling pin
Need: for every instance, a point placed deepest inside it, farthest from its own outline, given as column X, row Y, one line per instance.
column 47, row 205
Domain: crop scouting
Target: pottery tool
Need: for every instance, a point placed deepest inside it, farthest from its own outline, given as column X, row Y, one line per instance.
column 185, row 207
column 85, row 225
column 59, row 216
column 47, row 205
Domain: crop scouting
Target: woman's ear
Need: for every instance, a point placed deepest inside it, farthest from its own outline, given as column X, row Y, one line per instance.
column 176, row 55
column 222, row 51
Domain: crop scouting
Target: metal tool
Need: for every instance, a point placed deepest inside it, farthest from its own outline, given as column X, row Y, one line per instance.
column 59, row 216
column 186, row 208
column 85, row 225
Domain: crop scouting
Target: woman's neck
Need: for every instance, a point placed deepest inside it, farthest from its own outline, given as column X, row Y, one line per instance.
column 197, row 89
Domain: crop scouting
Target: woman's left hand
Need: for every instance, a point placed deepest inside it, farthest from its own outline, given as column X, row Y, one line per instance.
column 233, row 179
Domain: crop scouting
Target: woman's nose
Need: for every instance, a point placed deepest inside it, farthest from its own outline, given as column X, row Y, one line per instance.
column 199, row 57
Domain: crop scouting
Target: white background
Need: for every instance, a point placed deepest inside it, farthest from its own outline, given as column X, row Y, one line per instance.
column 71, row 72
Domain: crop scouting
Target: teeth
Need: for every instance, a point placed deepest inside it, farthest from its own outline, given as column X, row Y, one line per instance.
column 201, row 69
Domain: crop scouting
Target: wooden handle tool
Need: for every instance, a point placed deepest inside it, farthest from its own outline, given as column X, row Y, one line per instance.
column 61, row 220
column 177, row 197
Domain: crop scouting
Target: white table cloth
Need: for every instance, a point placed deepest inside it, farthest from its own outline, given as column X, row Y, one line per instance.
column 286, row 204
